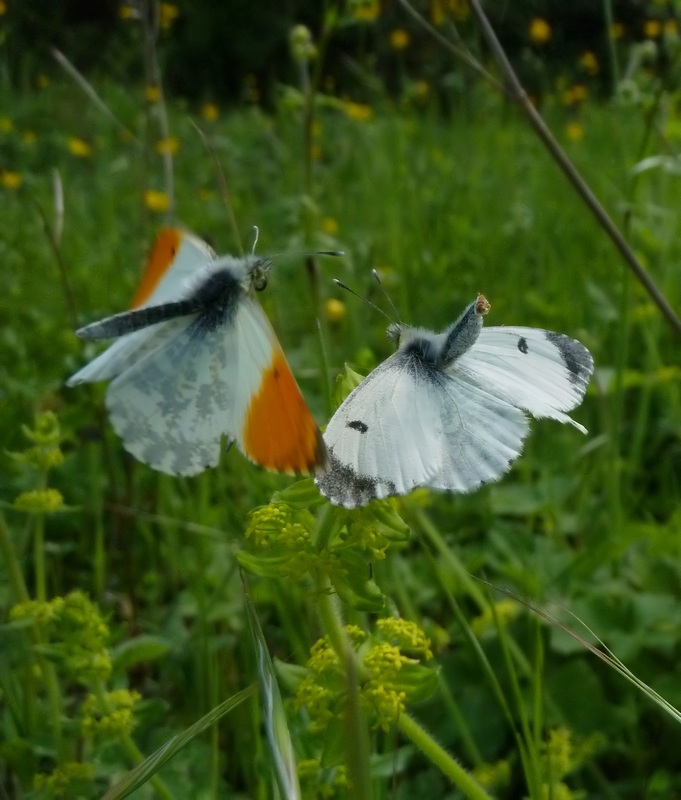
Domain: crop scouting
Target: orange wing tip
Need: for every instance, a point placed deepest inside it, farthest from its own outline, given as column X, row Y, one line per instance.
column 161, row 258
column 279, row 432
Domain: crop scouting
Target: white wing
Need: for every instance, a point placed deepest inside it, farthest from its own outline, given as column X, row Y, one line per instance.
column 407, row 425
column 172, row 406
column 123, row 353
column 539, row 371
column 177, row 255
column 174, row 259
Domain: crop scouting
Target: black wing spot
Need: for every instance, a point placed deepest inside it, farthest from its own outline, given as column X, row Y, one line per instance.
column 522, row 344
column 358, row 425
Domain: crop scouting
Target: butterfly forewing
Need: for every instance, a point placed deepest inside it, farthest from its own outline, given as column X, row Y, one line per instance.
column 542, row 372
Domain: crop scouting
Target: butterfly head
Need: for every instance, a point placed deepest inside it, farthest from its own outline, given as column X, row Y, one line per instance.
column 258, row 270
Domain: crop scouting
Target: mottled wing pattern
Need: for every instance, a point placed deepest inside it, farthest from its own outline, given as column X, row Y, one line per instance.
column 409, row 425
column 539, row 371
column 123, row 353
column 171, row 407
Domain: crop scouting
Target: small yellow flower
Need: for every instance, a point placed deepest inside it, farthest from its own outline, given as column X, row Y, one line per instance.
column 539, row 31
column 652, row 28
column 399, row 39
column 42, row 81
column 335, row 310
column 671, row 27
column 6, row 125
column 29, row 137
column 575, row 94
column 10, row 180
column 210, row 112
column 127, row 11
column 156, row 201
column 589, row 63
column 574, row 131
column 359, row 111
column 78, row 147
column 152, row 94
column 330, row 226
column 3, row 8
column 364, row 10
column 617, row 30
column 168, row 146
column 168, row 13
column 440, row 9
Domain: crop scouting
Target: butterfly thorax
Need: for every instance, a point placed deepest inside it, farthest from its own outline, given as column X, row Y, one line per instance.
column 249, row 272
column 419, row 344
column 440, row 350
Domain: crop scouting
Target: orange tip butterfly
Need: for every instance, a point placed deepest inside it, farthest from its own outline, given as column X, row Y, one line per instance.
column 447, row 410
column 197, row 358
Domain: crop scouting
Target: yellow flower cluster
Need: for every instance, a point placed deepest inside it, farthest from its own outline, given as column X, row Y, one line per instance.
column 39, row 501
column 110, row 716
column 76, row 629
column 279, row 524
column 383, row 691
column 62, row 782
column 405, row 634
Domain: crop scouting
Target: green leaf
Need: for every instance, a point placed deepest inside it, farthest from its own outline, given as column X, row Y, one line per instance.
column 138, row 650
column 151, row 765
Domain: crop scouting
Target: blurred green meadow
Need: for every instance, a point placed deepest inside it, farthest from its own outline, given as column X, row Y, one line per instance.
column 124, row 615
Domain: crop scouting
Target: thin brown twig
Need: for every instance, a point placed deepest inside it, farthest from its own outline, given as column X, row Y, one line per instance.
column 515, row 91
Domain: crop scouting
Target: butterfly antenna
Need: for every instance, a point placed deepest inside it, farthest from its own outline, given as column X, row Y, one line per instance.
column 256, row 233
column 374, row 272
column 352, row 291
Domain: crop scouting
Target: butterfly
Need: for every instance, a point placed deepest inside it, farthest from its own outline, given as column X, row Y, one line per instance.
column 197, row 358
column 447, row 410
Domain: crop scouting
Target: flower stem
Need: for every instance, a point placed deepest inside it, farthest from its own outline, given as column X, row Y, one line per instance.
column 441, row 758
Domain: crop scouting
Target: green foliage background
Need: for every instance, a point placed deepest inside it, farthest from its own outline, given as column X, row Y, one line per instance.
column 444, row 207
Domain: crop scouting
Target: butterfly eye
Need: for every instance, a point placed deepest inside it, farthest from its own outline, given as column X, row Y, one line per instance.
column 260, row 283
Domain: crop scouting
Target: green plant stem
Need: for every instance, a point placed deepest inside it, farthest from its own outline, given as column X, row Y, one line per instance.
column 21, row 592
column 330, row 617
column 16, row 576
column 612, row 50
column 441, row 758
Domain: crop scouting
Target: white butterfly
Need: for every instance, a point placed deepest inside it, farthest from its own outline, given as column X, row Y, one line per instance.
column 446, row 411
column 198, row 359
